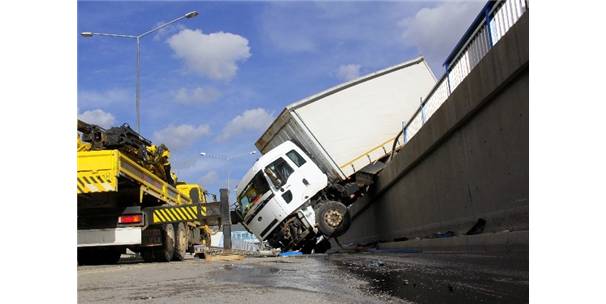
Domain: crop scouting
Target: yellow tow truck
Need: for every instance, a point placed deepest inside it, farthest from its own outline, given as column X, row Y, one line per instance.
column 123, row 203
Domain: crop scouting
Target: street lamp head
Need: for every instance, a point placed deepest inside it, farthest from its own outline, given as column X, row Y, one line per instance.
column 202, row 153
column 191, row 14
column 86, row 34
column 252, row 152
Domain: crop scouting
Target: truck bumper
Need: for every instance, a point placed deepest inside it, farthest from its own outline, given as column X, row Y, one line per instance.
column 109, row 237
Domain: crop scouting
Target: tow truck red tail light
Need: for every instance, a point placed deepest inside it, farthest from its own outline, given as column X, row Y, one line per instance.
column 130, row 219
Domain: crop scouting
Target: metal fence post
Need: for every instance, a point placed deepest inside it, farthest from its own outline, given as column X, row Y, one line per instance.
column 225, row 218
column 488, row 30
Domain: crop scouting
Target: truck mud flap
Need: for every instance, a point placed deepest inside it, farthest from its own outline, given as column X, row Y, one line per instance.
column 151, row 237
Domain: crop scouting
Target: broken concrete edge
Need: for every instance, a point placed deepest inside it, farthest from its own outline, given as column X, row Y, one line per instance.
column 506, row 241
column 486, row 242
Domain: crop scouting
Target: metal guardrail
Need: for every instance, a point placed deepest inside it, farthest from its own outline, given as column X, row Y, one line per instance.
column 490, row 26
column 245, row 245
column 240, row 240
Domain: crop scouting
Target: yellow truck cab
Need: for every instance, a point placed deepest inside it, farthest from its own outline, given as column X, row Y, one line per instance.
column 194, row 191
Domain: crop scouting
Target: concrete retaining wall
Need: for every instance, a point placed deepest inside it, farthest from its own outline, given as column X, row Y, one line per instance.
column 469, row 161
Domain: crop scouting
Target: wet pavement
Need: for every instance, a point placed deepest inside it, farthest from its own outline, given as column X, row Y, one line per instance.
column 335, row 278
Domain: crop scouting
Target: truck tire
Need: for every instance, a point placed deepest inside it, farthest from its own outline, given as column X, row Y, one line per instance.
column 333, row 218
column 165, row 252
column 181, row 241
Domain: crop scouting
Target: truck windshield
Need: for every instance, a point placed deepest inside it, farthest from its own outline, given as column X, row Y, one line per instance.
column 252, row 193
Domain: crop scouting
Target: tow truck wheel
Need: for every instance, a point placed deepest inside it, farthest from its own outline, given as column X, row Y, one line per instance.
column 165, row 252
column 181, row 242
column 333, row 218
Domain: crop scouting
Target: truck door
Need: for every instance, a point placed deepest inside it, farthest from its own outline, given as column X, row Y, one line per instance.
column 259, row 205
column 288, row 183
column 307, row 174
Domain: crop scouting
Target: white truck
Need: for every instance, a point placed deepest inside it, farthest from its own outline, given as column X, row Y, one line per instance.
column 321, row 154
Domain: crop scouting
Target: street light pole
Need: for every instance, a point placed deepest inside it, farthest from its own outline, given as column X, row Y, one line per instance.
column 138, row 93
column 189, row 15
column 228, row 172
column 227, row 158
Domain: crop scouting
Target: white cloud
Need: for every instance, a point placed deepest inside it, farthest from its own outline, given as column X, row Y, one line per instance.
column 98, row 117
column 435, row 31
column 190, row 169
column 251, row 120
column 210, row 177
column 94, row 98
column 348, row 72
column 181, row 136
column 213, row 55
column 196, row 96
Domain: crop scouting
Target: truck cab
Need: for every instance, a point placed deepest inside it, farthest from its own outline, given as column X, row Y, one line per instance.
column 194, row 191
column 275, row 199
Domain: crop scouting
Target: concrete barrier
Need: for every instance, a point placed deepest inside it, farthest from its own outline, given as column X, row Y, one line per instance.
column 468, row 162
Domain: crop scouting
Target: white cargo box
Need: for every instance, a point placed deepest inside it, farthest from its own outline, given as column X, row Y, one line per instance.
column 349, row 126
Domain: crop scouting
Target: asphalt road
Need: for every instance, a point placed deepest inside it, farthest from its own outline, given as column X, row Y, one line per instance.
column 336, row 278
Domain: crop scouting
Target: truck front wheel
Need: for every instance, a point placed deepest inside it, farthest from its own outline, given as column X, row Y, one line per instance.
column 333, row 218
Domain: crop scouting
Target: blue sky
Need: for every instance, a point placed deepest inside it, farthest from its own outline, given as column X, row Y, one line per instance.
column 214, row 83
